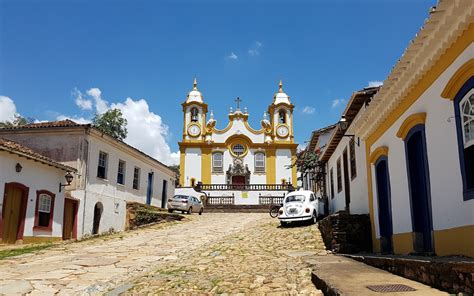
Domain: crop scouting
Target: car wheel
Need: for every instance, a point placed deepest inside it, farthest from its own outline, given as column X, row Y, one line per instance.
column 315, row 217
column 170, row 211
column 190, row 211
column 200, row 211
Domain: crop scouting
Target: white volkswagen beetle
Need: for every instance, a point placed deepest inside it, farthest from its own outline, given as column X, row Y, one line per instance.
column 298, row 206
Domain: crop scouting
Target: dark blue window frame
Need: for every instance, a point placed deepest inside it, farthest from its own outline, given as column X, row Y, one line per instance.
column 468, row 193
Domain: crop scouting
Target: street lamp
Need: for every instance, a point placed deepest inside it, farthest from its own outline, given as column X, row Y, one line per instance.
column 68, row 178
column 343, row 126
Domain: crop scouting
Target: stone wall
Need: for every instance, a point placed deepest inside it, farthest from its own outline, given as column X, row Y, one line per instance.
column 346, row 233
column 450, row 274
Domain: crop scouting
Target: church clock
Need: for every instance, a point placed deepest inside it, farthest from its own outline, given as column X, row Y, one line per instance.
column 282, row 131
column 194, row 130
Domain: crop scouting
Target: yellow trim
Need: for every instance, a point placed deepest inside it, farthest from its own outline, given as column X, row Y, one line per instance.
column 454, row 84
column 40, row 239
column 231, row 123
column 182, row 161
column 196, row 124
column 226, row 129
column 206, row 165
column 403, row 243
column 380, row 151
column 294, row 176
column 409, row 123
column 202, row 105
column 455, row 241
column 200, row 143
column 238, row 115
column 426, row 81
column 252, row 130
column 271, row 165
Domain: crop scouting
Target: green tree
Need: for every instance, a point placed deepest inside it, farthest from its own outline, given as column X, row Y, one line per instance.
column 112, row 123
column 18, row 121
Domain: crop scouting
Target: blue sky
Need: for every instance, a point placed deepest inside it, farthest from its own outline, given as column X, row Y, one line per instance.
column 51, row 52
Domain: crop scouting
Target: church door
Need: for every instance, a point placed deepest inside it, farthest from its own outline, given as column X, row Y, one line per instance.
column 238, row 180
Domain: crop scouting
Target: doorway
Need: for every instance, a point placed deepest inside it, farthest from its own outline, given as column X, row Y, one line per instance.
column 238, row 180
column 98, row 209
column 70, row 219
column 164, row 194
column 347, row 182
column 384, row 204
column 13, row 212
column 418, row 180
column 149, row 189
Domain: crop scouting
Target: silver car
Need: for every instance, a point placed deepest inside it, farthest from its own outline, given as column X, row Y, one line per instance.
column 185, row 203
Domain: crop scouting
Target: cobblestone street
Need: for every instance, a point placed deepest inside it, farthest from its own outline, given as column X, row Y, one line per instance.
column 263, row 258
column 212, row 253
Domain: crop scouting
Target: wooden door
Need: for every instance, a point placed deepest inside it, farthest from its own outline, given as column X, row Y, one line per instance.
column 12, row 215
column 347, row 182
column 69, row 217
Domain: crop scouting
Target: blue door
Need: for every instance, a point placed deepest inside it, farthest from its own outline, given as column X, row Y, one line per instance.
column 149, row 190
column 384, row 204
column 418, row 179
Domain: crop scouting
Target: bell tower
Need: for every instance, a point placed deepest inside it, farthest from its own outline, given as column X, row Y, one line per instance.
column 281, row 116
column 195, row 111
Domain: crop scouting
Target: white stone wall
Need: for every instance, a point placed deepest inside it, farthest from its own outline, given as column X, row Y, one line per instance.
column 283, row 160
column 358, row 185
column 448, row 207
column 35, row 176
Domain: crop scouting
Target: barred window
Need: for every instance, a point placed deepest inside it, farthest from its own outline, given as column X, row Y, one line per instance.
column 44, row 210
column 136, row 178
column 259, row 162
column 238, row 149
column 217, row 162
column 121, row 172
column 467, row 114
column 102, row 167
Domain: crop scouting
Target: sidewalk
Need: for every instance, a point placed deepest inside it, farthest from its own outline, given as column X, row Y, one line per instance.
column 338, row 275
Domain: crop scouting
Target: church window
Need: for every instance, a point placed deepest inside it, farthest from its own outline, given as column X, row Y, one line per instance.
column 194, row 114
column 282, row 116
column 464, row 111
column 44, row 209
column 217, row 162
column 339, row 176
column 121, row 172
column 352, row 159
column 102, row 166
column 238, row 149
column 259, row 162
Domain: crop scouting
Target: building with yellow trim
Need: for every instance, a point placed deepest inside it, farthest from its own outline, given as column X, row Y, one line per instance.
column 237, row 154
column 418, row 134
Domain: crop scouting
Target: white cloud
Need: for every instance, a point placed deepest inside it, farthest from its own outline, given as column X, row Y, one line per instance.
column 81, row 102
column 337, row 102
column 7, row 109
column 375, row 83
column 232, row 56
column 308, row 110
column 100, row 104
column 254, row 50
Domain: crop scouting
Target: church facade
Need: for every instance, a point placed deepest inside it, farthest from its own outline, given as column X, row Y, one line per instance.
column 238, row 155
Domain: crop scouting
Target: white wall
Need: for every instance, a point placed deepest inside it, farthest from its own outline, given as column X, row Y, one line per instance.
column 283, row 160
column 238, row 127
column 192, row 167
column 448, row 207
column 35, row 176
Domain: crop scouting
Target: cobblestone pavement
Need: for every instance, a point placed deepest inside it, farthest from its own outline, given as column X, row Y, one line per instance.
column 98, row 265
column 262, row 259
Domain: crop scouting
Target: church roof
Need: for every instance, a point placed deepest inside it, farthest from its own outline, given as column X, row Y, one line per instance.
column 195, row 95
column 281, row 97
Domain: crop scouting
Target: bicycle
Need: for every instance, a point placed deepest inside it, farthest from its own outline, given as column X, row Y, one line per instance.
column 274, row 209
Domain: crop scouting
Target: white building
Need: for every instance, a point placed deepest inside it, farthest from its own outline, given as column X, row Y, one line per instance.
column 33, row 208
column 110, row 172
column 237, row 155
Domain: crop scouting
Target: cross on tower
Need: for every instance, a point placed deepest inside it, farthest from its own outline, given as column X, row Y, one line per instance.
column 238, row 100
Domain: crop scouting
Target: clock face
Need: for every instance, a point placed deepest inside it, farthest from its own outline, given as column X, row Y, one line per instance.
column 194, row 130
column 282, row 131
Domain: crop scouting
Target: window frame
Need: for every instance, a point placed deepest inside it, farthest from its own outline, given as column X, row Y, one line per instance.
column 259, row 169
column 136, row 178
column 331, row 173
column 468, row 193
column 218, row 169
column 106, row 162
column 36, row 226
column 339, row 175
column 124, row 168
column 352, row 160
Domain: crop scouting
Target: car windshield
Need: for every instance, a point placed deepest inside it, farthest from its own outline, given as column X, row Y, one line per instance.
column 180, row 197
column 292, row 198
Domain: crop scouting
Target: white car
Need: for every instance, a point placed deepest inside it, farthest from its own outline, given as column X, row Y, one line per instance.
column 298, row 206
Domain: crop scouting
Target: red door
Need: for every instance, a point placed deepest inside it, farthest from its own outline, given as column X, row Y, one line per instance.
column 238, row 180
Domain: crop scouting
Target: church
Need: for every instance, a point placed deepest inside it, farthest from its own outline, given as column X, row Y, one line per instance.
column 241, row 160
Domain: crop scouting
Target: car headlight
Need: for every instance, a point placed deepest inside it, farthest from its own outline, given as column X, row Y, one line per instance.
column 280, row 212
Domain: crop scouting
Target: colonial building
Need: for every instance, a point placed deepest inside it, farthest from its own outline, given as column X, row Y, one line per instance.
column 33, row 207
column 237, row 155
column 419, row 141
column 110, row 173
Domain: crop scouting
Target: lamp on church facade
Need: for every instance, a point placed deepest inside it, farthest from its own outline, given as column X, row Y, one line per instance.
column 343, row 125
